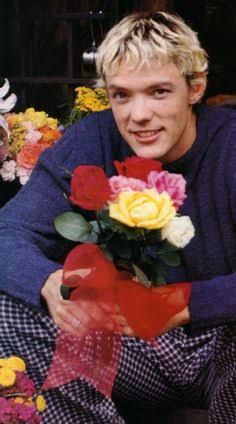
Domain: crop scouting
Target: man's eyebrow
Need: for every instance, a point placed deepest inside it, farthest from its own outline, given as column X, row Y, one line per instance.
column 115, row 87
column 154, row 85
column 161, row 83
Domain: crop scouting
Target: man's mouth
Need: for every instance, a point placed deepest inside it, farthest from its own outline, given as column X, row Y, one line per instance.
column 147, row 136
column 146, row 133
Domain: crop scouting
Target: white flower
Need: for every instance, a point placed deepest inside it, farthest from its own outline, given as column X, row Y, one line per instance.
column 23, row 174
column 8, row 169
column 7, row 104
column 179, row 231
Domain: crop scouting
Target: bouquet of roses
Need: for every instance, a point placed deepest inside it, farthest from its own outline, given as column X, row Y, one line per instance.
column 137, row 222
column 19, row 402
column 124, row 253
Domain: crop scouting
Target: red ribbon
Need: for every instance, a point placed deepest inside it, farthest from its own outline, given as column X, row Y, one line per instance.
column 95, row 357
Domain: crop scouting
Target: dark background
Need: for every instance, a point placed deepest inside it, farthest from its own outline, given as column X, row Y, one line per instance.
column 42, row 42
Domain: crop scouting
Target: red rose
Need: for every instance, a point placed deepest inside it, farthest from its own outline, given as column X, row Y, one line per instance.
column 136, row 167
column 90, row 188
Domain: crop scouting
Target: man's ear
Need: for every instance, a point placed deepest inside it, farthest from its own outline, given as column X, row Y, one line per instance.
column 197, row 88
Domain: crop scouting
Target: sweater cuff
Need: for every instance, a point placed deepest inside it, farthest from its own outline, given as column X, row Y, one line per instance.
column 211, row 305
column 31, row 293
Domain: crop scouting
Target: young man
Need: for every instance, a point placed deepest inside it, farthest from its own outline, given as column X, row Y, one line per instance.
column 155, row 73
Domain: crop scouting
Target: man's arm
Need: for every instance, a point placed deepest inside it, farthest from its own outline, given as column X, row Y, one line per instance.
column 31, row 249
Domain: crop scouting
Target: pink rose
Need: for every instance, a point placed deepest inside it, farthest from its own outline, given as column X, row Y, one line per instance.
column 173, row 184
column 119, row 184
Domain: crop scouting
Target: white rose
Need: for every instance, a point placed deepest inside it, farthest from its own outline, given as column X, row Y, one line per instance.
column 178, row 231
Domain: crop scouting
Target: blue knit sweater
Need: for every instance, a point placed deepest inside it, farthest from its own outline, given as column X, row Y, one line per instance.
column 31, row 249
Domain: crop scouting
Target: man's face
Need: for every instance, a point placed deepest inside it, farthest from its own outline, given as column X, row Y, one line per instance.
column 152, row 107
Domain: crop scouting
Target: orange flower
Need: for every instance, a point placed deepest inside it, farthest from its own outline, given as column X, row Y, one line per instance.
column 29, row 155
column 49, row 135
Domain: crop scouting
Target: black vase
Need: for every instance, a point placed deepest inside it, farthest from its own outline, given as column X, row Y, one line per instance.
column 8, row 189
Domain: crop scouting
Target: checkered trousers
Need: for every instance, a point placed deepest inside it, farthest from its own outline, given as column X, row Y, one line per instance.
column 173, row 373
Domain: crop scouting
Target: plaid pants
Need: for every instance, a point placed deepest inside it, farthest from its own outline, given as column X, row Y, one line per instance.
column 172, row 373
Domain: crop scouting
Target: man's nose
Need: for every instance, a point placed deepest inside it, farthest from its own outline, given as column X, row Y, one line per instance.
column 140, row 110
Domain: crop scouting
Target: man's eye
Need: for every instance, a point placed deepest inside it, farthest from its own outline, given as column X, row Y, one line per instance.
column 161, row 91
column 119, row 95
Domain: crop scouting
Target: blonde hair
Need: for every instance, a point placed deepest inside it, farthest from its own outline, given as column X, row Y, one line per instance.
column 141, row 37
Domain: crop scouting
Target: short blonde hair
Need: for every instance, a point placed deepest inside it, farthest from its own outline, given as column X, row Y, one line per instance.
column 141, row 37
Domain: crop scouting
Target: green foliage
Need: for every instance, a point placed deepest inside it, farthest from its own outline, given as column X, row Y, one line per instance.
column 73, row 226
column 139, row 251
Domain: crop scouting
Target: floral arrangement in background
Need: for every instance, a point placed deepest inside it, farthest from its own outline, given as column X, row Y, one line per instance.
column 24, row 136
column 88, row 100
column 19, row 402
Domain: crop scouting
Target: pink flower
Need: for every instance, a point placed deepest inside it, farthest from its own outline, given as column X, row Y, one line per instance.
column 173, row 184
column 24, row 413
column 5, row 410
column 120, row 183
column 29, row 155
column 32, row 135
column 24, row 384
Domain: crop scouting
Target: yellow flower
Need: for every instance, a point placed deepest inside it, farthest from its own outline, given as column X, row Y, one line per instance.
column 147, row 209
column 3, row 362
column 19, row 399
column 7, row 377
column 17, row 138
column 16, row 363
column 29, row 401
column 91, row 99
column 40, row 403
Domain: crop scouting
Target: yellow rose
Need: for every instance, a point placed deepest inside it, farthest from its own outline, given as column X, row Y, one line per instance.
column 144, row 209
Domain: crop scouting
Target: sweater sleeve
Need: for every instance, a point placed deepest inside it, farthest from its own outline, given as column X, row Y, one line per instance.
column 213, row 301
column 30, row 247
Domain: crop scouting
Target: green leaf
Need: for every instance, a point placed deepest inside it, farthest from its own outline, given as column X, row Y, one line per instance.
column 171, row 258
column 142, row 277
column 73, row 226
column 159, row 280
column 93, row 237
column 104, row 217
column 167, row 247
column 106, row 252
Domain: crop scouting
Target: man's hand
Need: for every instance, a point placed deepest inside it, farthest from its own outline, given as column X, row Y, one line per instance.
column 75, row 317
column 177, row 320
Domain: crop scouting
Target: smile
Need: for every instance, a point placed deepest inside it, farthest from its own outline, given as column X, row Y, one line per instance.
column 147, row 136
